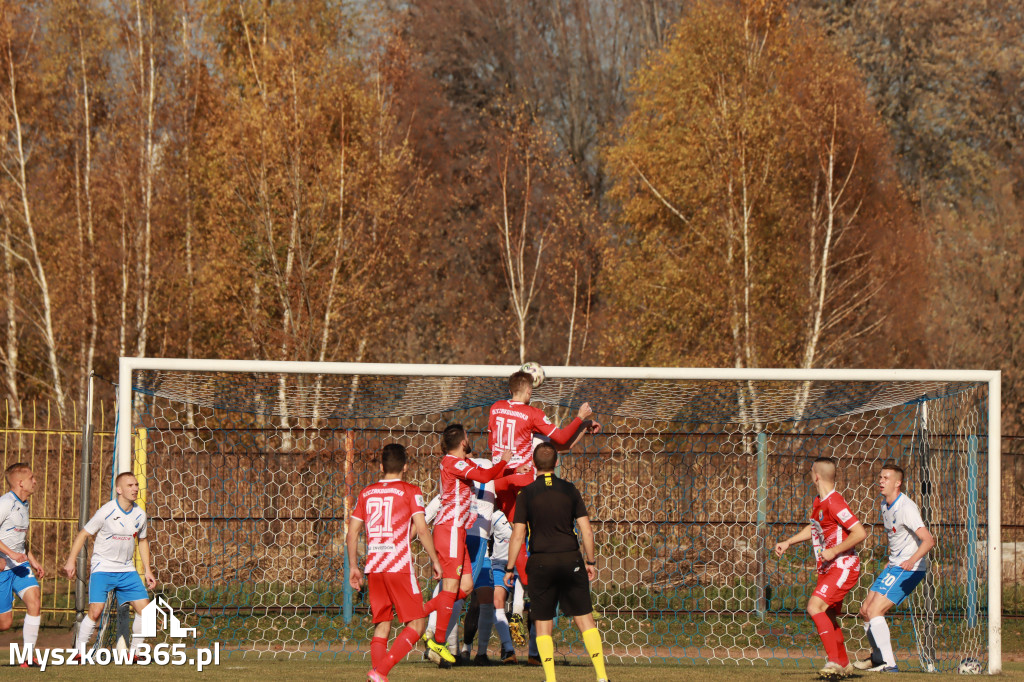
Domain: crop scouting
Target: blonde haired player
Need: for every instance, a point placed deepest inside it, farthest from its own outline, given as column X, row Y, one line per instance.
column 117, row 525
column 17, row 563
column 512, row 425
column 835, row 531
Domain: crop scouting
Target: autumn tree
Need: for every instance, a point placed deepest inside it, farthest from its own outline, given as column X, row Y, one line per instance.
column 761, row 207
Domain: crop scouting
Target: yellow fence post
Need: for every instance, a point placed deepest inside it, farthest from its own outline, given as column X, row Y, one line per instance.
column 139, row 469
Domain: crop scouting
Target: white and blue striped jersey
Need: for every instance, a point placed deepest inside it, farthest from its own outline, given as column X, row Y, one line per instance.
column 13, row 526
column 115, row 530
column 902, row 520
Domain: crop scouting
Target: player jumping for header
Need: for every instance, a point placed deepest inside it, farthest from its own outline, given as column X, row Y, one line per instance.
column 834, row 531
column 387, row 508
column 116, row 525
column 512, row 425
column 909, row 542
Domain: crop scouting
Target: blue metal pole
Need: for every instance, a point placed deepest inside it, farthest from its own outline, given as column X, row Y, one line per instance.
column 762, row 522
column 972, row 531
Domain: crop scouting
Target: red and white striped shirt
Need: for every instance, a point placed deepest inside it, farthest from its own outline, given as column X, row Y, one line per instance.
column 387, row 508
column 457, row 492
column 512, row 425
column 831, row 521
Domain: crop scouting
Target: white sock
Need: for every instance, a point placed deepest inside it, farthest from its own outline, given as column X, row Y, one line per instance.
column 452, row 636
column 517, row 599
column 486, row 624
column 432, row 620
column 501, row 621
column 875, row 653
column 136, row 631
column 880, row 631
column 85, row 629
column 30, row 631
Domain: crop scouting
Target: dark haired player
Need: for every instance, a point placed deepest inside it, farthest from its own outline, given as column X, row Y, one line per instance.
column 834, row 531
column 453, row 520
column 550, row 506
column 909, row 543
column 386, row 509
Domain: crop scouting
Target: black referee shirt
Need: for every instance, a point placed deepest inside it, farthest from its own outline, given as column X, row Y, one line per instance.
column 550, row 507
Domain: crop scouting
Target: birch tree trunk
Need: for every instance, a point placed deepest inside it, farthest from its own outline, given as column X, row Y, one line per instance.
column 34, row 261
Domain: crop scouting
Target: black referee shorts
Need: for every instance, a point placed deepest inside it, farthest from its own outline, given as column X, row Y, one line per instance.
column 558, row 578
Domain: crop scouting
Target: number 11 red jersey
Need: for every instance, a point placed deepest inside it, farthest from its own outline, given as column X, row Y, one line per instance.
column 387, row 508
column 512, row 425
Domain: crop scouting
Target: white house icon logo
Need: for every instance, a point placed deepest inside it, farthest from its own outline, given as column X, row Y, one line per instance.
column 159, row 607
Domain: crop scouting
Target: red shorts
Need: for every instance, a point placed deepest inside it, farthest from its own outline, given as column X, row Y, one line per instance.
column 451, row 552
column 395, row 590
column 836, row 582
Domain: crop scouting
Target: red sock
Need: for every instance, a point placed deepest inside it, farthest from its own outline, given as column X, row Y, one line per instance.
column 828, row 635
column 443, row 603
column 844, row 658
column 521, row 565
column 404, row 643
column 378, row 647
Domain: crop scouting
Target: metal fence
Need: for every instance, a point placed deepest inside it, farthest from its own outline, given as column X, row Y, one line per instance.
column 50, row 441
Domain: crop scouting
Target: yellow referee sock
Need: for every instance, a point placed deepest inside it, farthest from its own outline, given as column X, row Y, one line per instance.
column 546, row 649
column 592, row 640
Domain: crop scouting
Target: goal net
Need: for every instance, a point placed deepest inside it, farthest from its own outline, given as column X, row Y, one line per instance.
column 251, row 469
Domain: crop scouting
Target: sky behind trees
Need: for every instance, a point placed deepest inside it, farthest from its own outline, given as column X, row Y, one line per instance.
column 747, row 183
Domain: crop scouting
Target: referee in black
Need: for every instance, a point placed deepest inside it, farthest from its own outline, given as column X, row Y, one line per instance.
column 557, row 572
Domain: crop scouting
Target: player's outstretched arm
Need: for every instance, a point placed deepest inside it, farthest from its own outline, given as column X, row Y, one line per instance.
column 355, row 576
column 802, row 536
column 70, row 566
column 927, row 542
column 568, row 434
column 419, row 522
column 485, row 475
column 146, row 569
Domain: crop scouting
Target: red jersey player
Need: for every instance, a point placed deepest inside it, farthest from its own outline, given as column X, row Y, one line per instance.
column 450, row 526
column 386, row 509
column 834, row 531
column 512, row 425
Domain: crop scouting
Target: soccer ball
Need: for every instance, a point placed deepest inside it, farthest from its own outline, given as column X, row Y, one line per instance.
column 534, row 370
column 969, row 666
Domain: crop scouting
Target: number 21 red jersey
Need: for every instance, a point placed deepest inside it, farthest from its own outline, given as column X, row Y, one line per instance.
column 387, row 508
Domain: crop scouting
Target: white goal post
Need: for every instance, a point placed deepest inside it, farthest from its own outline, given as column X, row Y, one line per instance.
column 129, row 365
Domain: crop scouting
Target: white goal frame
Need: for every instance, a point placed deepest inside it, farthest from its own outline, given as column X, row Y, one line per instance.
column 992, row 378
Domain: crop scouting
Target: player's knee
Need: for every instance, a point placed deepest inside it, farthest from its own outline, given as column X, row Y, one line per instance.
column 95, row 611
column 6, row 619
